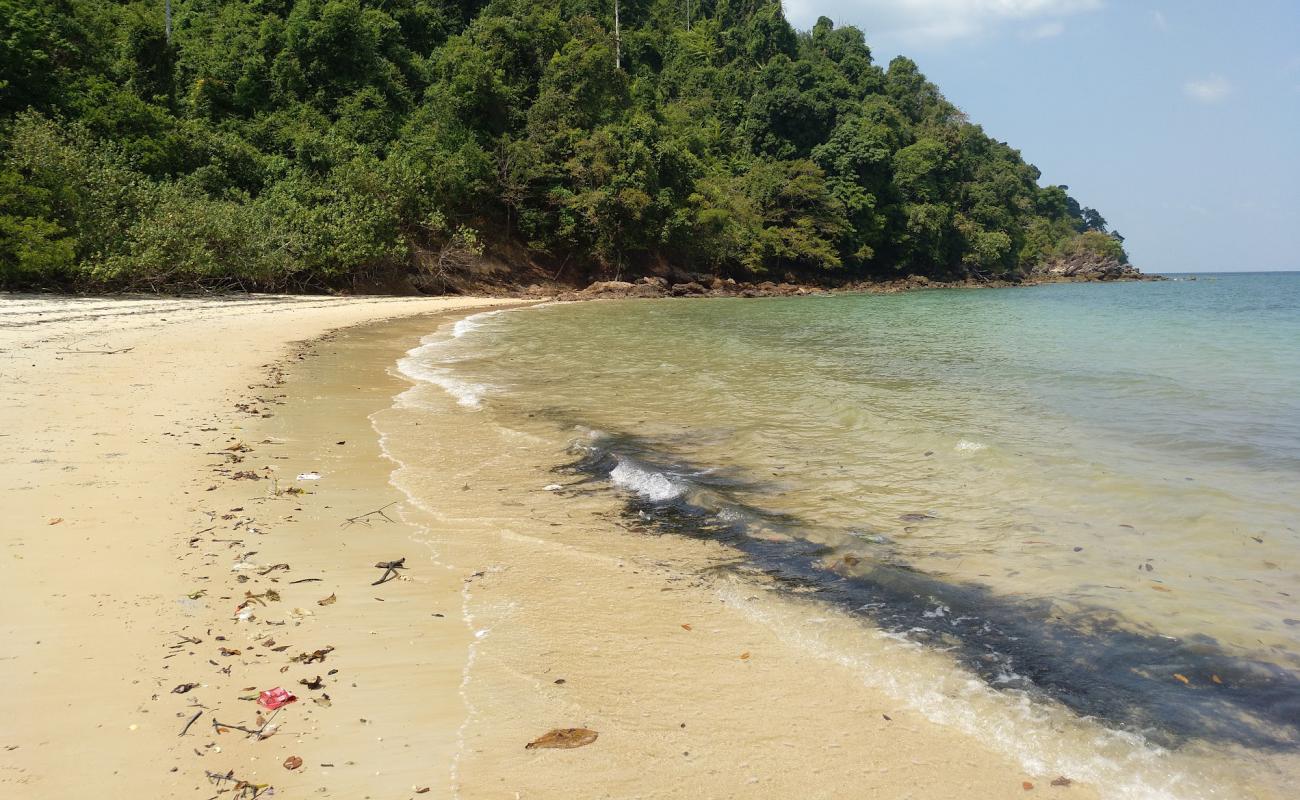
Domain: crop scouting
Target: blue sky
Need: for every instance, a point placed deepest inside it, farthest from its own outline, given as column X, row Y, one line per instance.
column 1179, row 121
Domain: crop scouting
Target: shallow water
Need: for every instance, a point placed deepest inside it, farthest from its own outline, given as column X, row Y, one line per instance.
column 1082, row 498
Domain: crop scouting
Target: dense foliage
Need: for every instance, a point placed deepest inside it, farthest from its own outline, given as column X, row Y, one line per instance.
column 299, row 143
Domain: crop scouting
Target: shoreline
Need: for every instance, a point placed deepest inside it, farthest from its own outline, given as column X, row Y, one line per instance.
column 443, row 674
column 114, row 412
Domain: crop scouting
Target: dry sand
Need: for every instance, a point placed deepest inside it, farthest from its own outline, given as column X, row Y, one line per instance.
column 122, row 498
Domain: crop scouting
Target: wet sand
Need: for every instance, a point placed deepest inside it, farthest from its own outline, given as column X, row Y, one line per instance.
column 142, row 484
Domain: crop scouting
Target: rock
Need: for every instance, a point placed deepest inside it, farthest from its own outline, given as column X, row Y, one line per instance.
column 608, row 287
column 652, row 280
column 687, row 289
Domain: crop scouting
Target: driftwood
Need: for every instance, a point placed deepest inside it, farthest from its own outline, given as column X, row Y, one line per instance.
column 364, row 519
column 390, row 569
column 95, row 352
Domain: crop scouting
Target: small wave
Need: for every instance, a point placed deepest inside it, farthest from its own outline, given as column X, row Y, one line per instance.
column 654, row 486
column 966, row 445
column 466, row 393
column 471, row 323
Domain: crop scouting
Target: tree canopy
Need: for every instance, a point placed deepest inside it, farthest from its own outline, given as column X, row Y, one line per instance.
column 304, row 143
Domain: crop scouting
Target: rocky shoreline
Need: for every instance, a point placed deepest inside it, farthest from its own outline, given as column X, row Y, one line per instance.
column 697, row 286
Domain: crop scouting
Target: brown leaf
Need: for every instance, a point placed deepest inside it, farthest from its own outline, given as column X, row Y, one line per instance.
column 56, row 520
column 744, row 656
column 292, row 762
column 327, row 601
column 1181, row 677
column 1062, row 781
column 686, row 626
column 563, row 739
column 1216, row 679
column 1026, row 785
column 226, row 651
column 422, row 789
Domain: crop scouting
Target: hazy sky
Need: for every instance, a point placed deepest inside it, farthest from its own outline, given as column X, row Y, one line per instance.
column 1179, row 121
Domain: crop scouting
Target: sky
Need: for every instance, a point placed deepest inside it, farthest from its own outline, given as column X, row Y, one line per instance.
column 1178, row 121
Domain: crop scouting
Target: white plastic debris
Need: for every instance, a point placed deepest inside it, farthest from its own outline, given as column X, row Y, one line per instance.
column 554, row 487
column 308, row 476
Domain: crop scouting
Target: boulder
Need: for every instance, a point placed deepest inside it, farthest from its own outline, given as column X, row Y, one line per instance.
column 688, row 289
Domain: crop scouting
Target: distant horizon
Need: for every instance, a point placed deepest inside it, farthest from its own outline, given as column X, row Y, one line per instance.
column 1217, row 271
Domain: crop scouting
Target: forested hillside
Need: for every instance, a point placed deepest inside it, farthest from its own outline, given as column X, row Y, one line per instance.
column 297, row 144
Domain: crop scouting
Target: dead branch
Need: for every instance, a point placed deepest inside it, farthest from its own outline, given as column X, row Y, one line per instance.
column 364, row 519
column 390, row 569
column 186, row 729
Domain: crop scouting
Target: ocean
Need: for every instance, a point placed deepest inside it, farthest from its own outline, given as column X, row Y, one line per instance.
column 1062, row 518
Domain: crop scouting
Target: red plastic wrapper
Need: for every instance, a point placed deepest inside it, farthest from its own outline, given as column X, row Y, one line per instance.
column 271, row 699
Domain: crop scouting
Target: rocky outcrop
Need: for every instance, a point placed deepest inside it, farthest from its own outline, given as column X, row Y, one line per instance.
column 1085, row 267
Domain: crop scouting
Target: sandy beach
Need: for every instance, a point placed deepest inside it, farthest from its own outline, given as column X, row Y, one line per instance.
column 195, row 501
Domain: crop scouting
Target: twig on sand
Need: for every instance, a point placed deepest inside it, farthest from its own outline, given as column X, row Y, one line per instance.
column 95, row 352
column 364, row 519
column 186, row 729
column 390, row 569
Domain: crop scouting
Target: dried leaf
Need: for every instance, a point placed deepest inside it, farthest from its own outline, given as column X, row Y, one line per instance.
column 686, row 626
column 1181, row 677
column 183, row 688
column 744, row 656
column 563, row 739
column 1026, row 785
column 422, row 789
column 327, row 601
column 323, row 700
column 55, row 520
column 226, row 651
column 292, row 762
column 1216, row 679
column 313, row 684
column 1062, row 781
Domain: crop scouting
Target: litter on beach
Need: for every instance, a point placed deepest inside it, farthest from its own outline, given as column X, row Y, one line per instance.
column 308, row 476
column 271, row 699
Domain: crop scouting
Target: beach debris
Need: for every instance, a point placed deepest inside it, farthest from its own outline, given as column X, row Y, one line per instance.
column 323, row 700
column 246, row 475
column 273, row 568
column 241, row 788
column 313, row 684
column 422, row 790
column 390, row 569
column 744, row 656
column 563, row 739
column 184, row 687
column 1061, row 781
column 887, row 718
column 1026, row 785
column 186, row 729
column 686, row 626
column 306, row 580
column 327, row 601
column 239, row 447
column 1216, row 679
column 308, row 476
column 1182, row 678
column 261, row 599
column 292, row 763
column 195, row 595
column 364, row 519
column 1160, row 588
column 271, row 699
column 552, row 487
column 314, row 656
column 54, row 521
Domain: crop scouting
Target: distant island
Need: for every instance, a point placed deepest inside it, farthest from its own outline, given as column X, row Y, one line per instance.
column 310, row 145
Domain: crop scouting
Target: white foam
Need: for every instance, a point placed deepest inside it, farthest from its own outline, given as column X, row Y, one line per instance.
column 471, row 323
column 653, row 486
column 967, row 445
column 416, row 366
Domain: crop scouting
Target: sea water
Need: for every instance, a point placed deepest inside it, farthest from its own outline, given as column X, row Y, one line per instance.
column 1083, row 498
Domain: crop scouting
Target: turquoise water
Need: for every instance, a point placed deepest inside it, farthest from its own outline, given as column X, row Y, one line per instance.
column 1089, row 494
